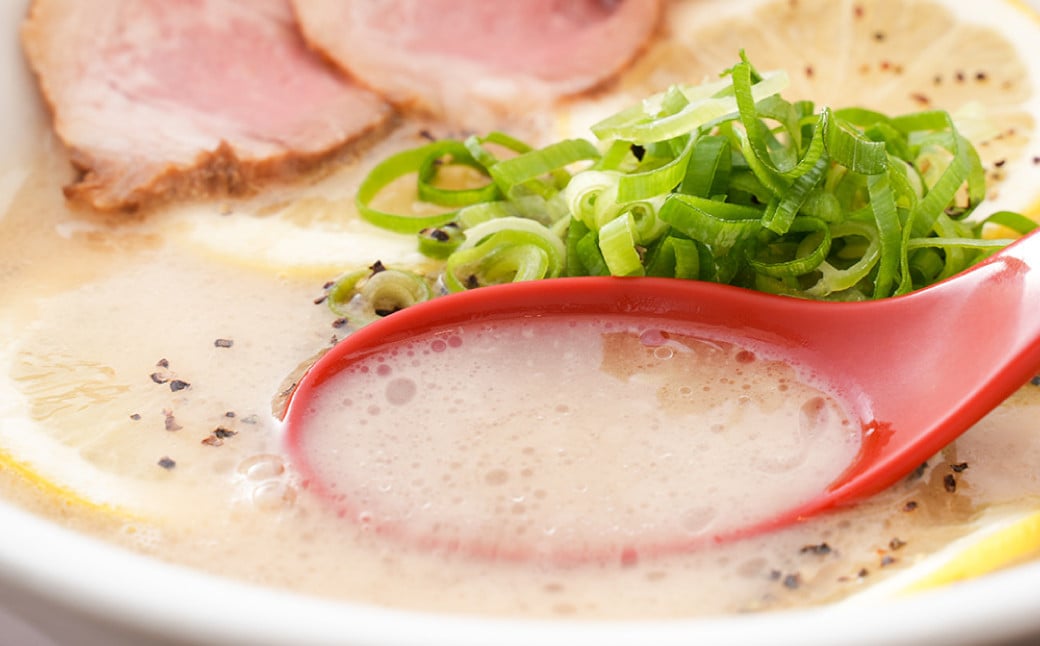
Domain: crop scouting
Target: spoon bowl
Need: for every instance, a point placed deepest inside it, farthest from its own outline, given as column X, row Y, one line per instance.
column 915, row 370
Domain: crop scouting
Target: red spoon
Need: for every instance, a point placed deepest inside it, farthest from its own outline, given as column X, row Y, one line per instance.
column 922, row 368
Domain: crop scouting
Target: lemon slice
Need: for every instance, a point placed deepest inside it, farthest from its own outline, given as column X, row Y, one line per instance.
column 306, row 231
column 23, row 452
column 89, row 413
column 1001, row 543
column 1002, row 539
column 976, row 60
column 311, row 237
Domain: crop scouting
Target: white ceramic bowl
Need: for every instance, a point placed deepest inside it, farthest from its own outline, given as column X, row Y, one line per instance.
column 60, row 588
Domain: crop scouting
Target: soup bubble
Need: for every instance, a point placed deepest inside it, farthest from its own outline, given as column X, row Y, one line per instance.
column 400, row 391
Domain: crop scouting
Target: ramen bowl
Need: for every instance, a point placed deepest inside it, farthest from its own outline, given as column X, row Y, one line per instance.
column 62, row 586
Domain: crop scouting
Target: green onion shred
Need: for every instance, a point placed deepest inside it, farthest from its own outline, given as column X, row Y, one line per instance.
column 726, row 182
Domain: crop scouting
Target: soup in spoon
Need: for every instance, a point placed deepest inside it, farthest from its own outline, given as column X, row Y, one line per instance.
column 568, row 438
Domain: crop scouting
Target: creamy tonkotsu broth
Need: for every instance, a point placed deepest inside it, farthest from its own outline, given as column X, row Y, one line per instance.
column 102, row 317
column 89, row 307
column 571, row 438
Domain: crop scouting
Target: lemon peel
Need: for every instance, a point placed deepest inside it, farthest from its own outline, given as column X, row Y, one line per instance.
column 26, row 475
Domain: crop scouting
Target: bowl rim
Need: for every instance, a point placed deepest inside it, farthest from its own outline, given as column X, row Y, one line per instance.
column 156, row 598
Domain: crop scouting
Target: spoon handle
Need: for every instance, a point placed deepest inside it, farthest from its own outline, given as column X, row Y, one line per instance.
column 938, row 360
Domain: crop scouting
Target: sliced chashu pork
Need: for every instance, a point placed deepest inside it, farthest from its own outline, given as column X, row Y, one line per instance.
column 160, row 99
column 458, row 57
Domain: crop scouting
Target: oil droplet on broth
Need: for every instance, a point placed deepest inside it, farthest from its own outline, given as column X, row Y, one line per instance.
column 574, row 438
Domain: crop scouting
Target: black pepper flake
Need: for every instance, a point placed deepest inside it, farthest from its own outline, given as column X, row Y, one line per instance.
column 822, row 548
column 162, row 363
column 440, row 235
column 959, row 467
column 212, row 440
column 427, row 135
column 230, row 414
column 328, row 284
column 223, row 343
column 887, row 560
column 638, row 151
column 178, row 384
column 863, row 572
column 999, row 163
column 1035, row 380
column 135, row 416
column 879, row 36
column 377, row 267
column 792, row 581
column 472, row 282
column 959, row 76
column 321, row 299
column 910, row 505
column 896, row 543
column 158, row 377
column 223, row 433
column 980, row 76
column 950, row 483
column 1036, row 161
column 166, row 462
column 340, row 322
column 385, row 311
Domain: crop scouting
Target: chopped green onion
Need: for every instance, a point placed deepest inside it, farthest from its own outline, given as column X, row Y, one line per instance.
column 530, row 166
column 504, row 250
column 642, row 124
column 725, row 181
column 617, row 243
column 1014, row 221
column 440, row 242
column 386, row 172
column 365, row 295
column 452, row 197
column 475, row 146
